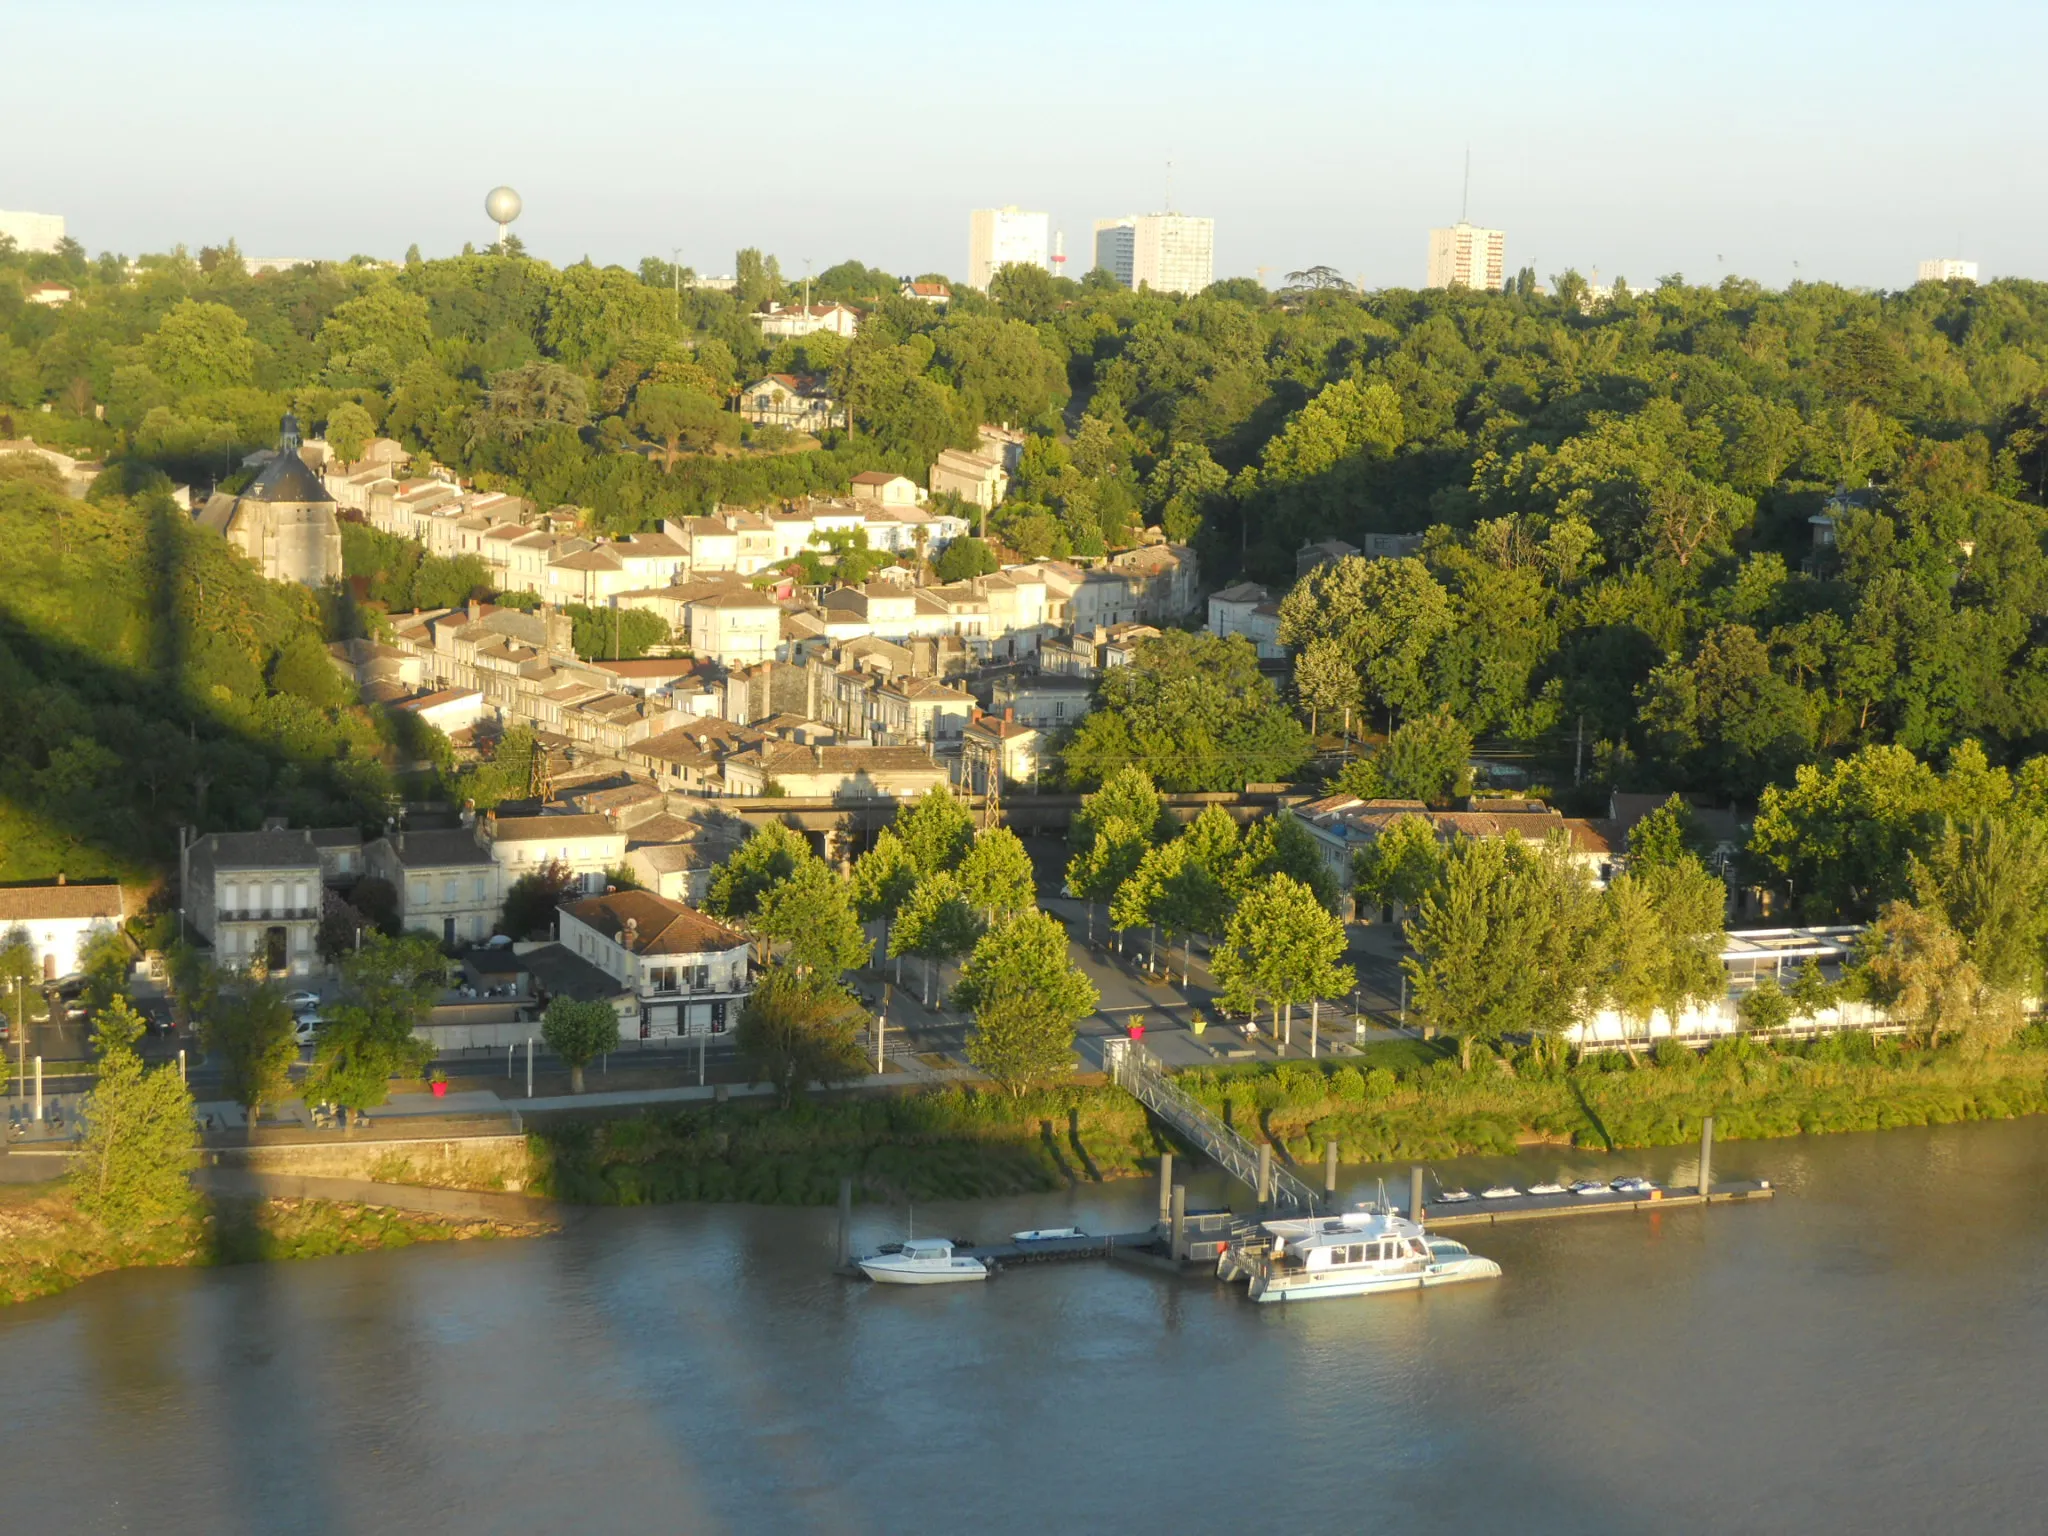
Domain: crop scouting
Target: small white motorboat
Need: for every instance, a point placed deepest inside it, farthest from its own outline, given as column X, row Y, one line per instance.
column 1631, row 1186
column 1546, row 1189
column 1589, row 1187
column 923, row 1261
column 1453, row 1196
column 1500, row 1192
column 1046, row 1234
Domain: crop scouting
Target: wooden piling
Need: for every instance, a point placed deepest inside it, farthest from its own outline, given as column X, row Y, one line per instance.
column 1415, row 1193
column 1706, row 1155
column 1330, row 1167
column 1265, row 1174
column 845, row 1222
column 1165, row 1185
column 1178, row 1224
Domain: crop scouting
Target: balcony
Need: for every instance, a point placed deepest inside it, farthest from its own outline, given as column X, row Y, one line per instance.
column 270, row 915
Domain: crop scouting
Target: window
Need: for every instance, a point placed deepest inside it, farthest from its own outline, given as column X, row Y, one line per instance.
column 478, row 893
column 230, row 898
column 448, row 890
column 661, row 978
column 419, row 892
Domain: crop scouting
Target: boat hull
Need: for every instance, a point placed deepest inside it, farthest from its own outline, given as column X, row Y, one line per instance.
column 958, row 1272
column 1268, row 1288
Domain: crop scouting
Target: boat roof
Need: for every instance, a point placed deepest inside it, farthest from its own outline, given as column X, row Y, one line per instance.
column 1343, row 1227
column 927, row 1245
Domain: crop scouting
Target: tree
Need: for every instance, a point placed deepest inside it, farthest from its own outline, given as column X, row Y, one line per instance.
column 1026, row 996
column 1386, row 617
column 349, row 430
column 763, row 861
column 996, row 877
column 1127, row 795
column 249, row 1029
column 533, row 900
column 140, row 1138
column 1283, row 948
column 18, row 975
column 680, row 418
column 883, row 879
column 1176, row 893
column 1428, row 758
column 1195, row 712
column 106, row 960
column 811, row 913
column 389, row 988
column 1988, row 878
column 936, row 830
column 936, row 924
column 1502, row 942
column 305, row 671
column 1280, row 845
column 579, row 1032
column 964, row 558
column 199, row 346
column 1913, row 964
column 1396, row 867
column 1666, row 835
column 798, row 1029
column 1325, row 680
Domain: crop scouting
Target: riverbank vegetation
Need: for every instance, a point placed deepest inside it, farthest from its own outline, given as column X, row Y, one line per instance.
column 48, row 1242
column 946, row 1144
column 1412, row 1100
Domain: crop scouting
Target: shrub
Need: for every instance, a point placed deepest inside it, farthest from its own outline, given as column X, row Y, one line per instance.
column 1348, row 1084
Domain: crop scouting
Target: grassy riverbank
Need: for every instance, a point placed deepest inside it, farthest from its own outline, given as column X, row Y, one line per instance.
column 950, row 1144
column 1407, row 1101
column 47, row 1245
column 1404, row 1100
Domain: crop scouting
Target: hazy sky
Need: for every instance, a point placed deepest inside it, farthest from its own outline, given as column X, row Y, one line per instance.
column 1640, row 139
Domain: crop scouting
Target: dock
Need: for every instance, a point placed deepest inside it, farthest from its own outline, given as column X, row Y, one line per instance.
column 1480, row 1212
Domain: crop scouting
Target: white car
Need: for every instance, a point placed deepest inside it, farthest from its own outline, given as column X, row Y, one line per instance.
column 306, row 1031
column 299, row 1002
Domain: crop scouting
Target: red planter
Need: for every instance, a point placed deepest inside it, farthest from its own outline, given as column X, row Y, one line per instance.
column 440, row 1090
column 1137, row 1031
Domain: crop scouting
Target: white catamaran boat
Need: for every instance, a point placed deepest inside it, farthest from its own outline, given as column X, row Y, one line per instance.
column 922, row 1261
column 1356, row 1254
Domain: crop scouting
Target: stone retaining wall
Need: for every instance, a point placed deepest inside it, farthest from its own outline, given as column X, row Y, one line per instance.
column 467, row 1162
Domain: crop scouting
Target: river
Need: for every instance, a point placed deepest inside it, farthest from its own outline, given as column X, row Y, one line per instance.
column 1863, row 1352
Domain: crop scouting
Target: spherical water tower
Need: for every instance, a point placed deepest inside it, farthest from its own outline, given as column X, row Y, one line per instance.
column 502, row 205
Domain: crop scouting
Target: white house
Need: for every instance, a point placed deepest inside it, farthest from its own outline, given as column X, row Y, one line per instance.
column 256, row 897
column 447, row 882
column 683, row 973
column 795, row 400
column 1248, row 609
column 56, row 920
column 585, row 846
column 780, row 322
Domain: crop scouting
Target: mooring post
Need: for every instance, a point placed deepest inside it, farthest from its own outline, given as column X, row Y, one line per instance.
column 1177, row 1228
column 1415, row 1193
column 1706, row 1155
column 845, row 1222
column 1330, row 1167
column 1165, row 1185
column 1265, row 1173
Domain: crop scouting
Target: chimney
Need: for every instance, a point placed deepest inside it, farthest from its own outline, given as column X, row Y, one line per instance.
column 1009, row 716
column 632, row 931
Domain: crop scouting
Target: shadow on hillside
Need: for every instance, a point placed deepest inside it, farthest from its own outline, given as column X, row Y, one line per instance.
column 108, row 760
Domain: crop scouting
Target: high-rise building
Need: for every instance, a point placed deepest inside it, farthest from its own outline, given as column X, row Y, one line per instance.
column 996, row 237
column 1166, row 252
column 1466, row 256
column 1944, row 268
column 33, row 231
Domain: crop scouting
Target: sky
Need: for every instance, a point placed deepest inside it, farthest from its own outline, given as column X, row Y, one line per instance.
column 1803, row 139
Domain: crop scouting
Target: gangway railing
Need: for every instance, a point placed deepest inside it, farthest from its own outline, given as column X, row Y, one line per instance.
column 1139, row 1073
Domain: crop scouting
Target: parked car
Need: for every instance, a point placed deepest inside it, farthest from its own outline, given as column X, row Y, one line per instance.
column 300, row 1002
column 308, row 1030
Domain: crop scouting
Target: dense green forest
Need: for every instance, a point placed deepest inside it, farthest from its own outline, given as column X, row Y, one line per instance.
column 1622, row 567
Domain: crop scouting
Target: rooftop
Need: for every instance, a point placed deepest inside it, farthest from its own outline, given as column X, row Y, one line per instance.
column 437, row 849
column 36, row 903
column 541, row 829
column 658, row 926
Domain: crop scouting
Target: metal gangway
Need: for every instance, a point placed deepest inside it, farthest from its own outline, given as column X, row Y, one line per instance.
column 1139, row 1073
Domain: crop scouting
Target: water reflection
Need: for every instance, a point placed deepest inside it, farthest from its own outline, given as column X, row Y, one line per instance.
column 1860, row 1351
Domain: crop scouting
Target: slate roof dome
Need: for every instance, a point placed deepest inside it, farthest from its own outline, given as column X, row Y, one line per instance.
column 287, row 477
